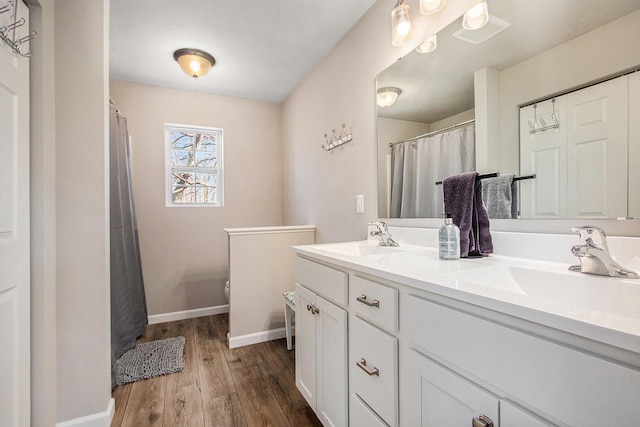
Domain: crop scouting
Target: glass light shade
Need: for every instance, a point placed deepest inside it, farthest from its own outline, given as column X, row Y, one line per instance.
column 386, row 96
column 195, row 63
column 427, row 7
column 400, row 25
column 429, row 45
column 476, row 17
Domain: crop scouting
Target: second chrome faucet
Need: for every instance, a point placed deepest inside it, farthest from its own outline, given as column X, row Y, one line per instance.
column 382, row 233
column 594, row 256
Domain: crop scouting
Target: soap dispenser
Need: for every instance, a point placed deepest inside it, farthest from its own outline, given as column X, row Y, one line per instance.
column 449, row 239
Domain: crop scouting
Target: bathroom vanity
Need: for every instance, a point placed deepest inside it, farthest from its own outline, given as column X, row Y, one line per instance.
column 394, row 336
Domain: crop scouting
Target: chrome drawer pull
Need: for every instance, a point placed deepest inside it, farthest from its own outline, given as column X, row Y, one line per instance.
column 482, row 421
column 363, row 299
column 362, row 364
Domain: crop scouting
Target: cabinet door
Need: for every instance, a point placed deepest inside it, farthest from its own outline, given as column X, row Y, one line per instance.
column 433, row 396
column 331, row 363
column 306, row 345
column 511, row 415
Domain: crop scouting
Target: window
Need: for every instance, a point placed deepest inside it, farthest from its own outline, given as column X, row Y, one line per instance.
column 193, row 166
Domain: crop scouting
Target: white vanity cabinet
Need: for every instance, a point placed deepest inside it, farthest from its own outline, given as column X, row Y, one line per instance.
column 413, row 356
column 321, row 341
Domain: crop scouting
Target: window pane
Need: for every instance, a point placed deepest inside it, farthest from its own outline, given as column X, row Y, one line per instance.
column 206, row 143
column 181, row 158
column 206, row 195
column 206, row 159
column 181, row 194
column 181, row 140
column 208, row 179
column 182, row 178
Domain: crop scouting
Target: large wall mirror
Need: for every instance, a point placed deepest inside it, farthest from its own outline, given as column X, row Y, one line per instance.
column 548, row 92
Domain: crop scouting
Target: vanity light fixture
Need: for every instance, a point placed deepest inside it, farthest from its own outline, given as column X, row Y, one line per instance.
column 400, row 23
column 429, row 45
column 428, row 7
column 387, row 96
column 194, row 62
column 476, row 17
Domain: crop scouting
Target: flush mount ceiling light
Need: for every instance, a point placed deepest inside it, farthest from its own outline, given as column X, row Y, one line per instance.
column 476, row 17
column 427, row 7
column 429, row 45
column 194, row 62
column 387, row 96
column 400, row 23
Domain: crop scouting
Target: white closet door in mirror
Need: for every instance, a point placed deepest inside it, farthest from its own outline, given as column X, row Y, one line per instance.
column 597, row 150
column 543, row 153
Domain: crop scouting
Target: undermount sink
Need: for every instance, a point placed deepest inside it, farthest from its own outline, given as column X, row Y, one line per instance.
column 580, row 291
column 358, row 249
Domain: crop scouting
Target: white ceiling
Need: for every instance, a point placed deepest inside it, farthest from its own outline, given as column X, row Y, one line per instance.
column 440, row 84
column 263, row 48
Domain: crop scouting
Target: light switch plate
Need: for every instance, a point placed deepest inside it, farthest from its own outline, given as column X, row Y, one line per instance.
column 360, row 203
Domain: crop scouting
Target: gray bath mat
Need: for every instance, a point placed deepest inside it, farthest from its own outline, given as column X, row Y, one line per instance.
column 150, row 359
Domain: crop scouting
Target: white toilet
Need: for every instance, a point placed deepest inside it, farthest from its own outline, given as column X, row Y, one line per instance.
column 226, row 291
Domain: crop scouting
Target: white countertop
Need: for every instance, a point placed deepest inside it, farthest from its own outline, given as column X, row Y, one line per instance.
column 599, row 308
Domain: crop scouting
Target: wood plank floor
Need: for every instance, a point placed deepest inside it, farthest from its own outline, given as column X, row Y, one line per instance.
column 248, row 386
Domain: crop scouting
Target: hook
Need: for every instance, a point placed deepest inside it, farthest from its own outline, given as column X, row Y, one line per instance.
column 6, row 8
column 19, row 23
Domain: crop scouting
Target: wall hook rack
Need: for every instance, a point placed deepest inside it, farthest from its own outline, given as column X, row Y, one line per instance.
column 334, row 140
column 534, row 125
column 8, row 32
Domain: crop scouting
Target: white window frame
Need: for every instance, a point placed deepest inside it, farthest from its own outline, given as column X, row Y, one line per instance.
column 168, row 128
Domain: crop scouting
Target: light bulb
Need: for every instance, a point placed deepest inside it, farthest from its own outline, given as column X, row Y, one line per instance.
column 476, row 17
column 429, row 45
column 400, row 25
column 427, row 7
column 404, row 27
column 195, row 66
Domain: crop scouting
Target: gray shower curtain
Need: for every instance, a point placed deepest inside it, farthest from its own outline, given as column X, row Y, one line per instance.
column 128, row 302
column 416, row 167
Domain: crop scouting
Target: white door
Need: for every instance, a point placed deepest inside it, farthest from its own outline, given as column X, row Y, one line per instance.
column 543, row 153
column 14, row 232
column 598, row 150
column 306, row 345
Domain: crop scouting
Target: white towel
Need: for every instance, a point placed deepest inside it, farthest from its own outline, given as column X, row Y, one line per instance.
column 500, row 195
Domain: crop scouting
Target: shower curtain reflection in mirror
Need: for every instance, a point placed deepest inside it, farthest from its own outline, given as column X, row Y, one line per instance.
column 417, row 165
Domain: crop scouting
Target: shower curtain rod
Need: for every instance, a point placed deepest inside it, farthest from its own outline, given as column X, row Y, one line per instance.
column 391, row 144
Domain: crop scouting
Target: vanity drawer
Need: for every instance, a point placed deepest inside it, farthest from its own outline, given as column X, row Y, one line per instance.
column 373, row 368
column 375, row 302
column 326, row 281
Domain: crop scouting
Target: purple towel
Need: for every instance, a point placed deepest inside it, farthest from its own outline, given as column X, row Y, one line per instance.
column 463, row 202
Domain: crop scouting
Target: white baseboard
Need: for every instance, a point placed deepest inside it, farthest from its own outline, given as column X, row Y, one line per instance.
column 188, row 314
column 258, row 337
column 101, row 419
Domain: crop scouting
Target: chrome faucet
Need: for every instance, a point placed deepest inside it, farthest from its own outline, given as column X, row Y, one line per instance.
column 594, row 256
column 382, row 233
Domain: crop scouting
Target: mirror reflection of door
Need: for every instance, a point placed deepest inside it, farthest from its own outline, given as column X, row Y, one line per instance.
column 581, row 166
